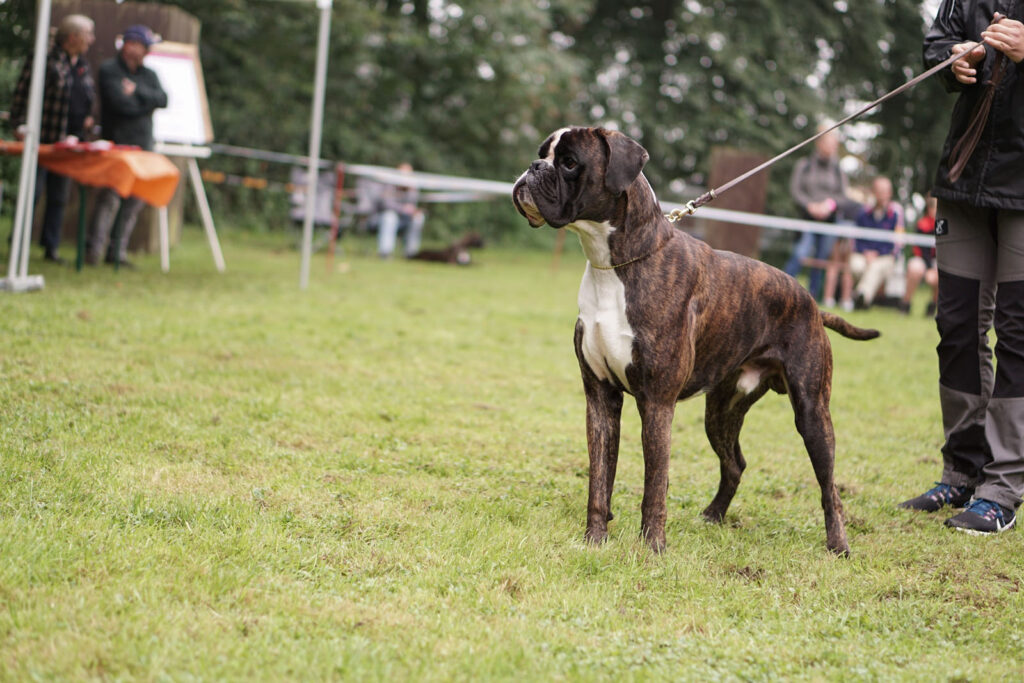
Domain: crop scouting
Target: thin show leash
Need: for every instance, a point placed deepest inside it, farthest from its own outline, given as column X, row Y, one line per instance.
column 694, row 204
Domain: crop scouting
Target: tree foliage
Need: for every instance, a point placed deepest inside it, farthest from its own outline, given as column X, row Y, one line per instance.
column 472, row 87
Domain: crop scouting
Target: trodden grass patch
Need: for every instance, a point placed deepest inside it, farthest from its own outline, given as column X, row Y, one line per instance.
column 222, row 477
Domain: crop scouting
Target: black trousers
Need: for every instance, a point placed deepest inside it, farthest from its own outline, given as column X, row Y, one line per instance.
column 57, row 188
column 980, row 257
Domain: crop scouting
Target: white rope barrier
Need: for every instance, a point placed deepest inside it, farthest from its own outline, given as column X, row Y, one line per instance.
column 489, row 190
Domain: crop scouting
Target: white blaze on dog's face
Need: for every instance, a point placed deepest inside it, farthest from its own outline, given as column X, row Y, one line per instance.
column 551, row 144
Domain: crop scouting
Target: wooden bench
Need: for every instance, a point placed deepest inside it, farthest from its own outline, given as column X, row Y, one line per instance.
column 838, row 259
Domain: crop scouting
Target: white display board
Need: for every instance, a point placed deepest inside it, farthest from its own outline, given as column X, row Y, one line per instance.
column 186, row 119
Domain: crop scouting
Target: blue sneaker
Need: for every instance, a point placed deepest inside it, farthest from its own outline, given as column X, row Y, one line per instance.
column 938, row 497
column 983, row 517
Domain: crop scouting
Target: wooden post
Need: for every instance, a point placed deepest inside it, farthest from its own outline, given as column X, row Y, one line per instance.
column 726, row 164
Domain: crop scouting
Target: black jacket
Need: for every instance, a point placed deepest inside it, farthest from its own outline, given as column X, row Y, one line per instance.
column 994, row 176
column 128, row 119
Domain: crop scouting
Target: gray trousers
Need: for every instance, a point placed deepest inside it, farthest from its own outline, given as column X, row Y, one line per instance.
column 387, row 231
column 107, row 205
column 980, row 258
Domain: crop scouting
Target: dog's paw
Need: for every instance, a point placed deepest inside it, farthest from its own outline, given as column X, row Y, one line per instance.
column 655, row 541
column 842, row 551
column 595, row 536
column 713, row 516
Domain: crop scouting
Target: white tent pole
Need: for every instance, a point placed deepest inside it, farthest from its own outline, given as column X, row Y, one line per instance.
column 21, row 237
column 316, row 131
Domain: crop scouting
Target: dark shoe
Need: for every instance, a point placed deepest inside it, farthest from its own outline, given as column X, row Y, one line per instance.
column 903, row 307
column 983, row 517
column 860, row 304
column 938, row 497
column 929, row 312
column 53, row 258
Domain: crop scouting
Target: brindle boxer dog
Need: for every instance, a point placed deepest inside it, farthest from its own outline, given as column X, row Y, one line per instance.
column 664, row 317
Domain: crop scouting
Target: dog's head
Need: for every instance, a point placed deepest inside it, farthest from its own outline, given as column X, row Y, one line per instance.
column 579, row 175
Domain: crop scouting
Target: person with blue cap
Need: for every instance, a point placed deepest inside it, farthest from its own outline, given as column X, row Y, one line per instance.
column 129, row 94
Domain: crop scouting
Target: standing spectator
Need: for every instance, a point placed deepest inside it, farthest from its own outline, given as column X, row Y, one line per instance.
column 68, row 97
column 872, row 261
column 399, row 212
column 921, row 265
column 129, row 93
column 818, row 187
column 979, row 233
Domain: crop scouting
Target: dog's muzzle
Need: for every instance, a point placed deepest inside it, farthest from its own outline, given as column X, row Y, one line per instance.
column 523, row 200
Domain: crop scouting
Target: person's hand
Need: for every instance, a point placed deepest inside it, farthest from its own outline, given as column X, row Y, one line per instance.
column 128, row 86
column 964, row 68
column 1007, row 36
column 21, row 132
column 819, row 211
column 88, row 124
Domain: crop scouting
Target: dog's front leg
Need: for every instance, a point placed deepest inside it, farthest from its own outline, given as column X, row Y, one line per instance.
column 604, row 414
column 656, row 418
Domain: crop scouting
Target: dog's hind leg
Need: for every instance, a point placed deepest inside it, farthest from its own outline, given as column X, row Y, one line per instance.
column 604, row 414
column 723, row 419
column 813, row 421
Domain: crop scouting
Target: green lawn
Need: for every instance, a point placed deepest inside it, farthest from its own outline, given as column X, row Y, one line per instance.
column 221, row 477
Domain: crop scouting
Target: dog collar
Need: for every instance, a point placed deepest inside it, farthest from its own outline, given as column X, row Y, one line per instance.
column 638, row 258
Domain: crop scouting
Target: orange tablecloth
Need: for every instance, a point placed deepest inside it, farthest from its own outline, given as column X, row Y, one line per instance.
column 130, row 172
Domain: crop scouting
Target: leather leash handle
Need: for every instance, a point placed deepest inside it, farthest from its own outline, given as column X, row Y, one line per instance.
column 964, row 147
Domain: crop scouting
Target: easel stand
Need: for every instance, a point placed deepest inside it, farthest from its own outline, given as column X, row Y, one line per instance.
column 190, row 154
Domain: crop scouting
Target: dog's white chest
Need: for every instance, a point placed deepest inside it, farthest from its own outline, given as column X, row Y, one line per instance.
column 607, row 342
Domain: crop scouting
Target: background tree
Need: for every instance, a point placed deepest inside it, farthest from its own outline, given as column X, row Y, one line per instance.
column 471, row 87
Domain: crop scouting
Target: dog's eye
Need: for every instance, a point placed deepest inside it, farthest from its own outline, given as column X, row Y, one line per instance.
column 568, row 163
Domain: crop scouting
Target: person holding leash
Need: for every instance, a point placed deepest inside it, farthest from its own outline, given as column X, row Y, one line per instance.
column 980, row 255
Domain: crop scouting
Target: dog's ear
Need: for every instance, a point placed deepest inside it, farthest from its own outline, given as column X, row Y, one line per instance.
column 626, row 158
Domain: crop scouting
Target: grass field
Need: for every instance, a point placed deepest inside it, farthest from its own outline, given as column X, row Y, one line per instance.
column 221, row 477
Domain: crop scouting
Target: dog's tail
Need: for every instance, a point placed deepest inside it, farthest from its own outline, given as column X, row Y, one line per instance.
column 834, row 322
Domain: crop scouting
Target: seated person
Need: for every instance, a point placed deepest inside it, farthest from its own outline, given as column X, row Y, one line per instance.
column 398, row 212
column 921, row 265
column 872, row 261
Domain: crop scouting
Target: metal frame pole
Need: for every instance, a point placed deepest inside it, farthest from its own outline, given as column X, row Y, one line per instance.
column 316, row 131
column 21, row 235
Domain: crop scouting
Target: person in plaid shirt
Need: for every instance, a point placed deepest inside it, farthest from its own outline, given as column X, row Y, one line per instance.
column 68, row 97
